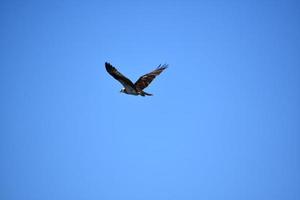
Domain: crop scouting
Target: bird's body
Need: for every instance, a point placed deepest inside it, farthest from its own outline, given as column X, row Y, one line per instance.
column 129, row 91
column 137, row 87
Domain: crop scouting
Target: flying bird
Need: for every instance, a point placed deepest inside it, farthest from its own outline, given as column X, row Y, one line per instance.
column 138, row 87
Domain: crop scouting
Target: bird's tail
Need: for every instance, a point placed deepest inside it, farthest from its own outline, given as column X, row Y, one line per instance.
column 147, row 94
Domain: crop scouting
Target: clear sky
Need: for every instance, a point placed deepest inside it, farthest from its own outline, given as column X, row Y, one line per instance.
column 224, row 121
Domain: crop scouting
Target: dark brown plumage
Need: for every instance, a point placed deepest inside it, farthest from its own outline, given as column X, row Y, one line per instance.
column 146, row 79
column 137, row 87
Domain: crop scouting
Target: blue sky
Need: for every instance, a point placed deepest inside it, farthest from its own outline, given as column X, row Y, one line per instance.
column 223, row 122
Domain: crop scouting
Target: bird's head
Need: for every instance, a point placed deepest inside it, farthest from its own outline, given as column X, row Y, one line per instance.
column 122, row 90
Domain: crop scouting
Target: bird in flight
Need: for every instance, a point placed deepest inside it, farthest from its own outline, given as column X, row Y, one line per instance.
column 138, row 87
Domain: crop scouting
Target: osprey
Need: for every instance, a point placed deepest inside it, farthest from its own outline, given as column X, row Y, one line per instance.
column 137, row 87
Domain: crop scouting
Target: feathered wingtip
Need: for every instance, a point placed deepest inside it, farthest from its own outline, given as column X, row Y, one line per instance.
column 164, row 66
column 107, row 65
column 109, row 68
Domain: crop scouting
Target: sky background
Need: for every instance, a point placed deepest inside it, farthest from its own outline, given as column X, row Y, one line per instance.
column 223, row 123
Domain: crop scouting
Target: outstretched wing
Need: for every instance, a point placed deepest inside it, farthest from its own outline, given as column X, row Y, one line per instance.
column 146, row 79
column 118, row 76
